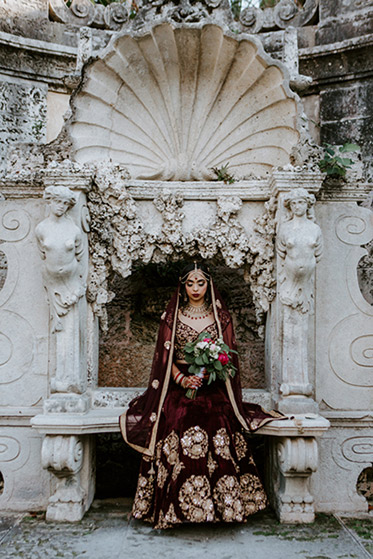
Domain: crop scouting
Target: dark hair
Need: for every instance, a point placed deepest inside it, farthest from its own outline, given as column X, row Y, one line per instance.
column 184, row 274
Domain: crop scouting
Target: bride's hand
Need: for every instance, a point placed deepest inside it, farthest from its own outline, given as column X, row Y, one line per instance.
column 192, row 382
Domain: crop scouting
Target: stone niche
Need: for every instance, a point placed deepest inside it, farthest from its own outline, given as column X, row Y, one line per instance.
column 126, row 349
column 172, row 103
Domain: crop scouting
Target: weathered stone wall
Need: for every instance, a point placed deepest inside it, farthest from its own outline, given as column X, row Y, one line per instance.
column 23, row 112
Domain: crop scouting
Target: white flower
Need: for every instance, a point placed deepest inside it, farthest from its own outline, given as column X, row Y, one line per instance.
column 202, row 345
column 212, row 347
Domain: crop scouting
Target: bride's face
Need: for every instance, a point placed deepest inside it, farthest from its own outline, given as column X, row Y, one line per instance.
column 196, row 287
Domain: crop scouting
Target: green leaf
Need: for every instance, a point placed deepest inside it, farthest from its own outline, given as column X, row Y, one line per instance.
column 330, row 150
column 199, row 360
column 349, row 147
column 188, row 349
column 218, row 366
column 205, row 359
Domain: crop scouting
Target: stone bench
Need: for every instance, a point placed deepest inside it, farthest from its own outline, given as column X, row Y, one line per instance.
column 293, row 452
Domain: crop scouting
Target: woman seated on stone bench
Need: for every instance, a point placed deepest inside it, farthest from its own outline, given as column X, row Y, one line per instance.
column 197, row 465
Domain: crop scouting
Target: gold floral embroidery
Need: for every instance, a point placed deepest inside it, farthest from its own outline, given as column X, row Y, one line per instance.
column 161, row 475
column 171, row 447
column 253, row 495
column 221, row 444
column 161, row 524
column 240, row 445
column 158, row 450
column 167, row 520
column 185, row 333
column 195, row 442
column 211, row 464
column 155, row 383
column 177, row 469
column 227, row 497
column 195, row 499
column 143, row 497
column 171, row 517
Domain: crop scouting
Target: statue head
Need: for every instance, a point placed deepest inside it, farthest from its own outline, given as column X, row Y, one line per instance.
column 300, row 202
column 60, row 199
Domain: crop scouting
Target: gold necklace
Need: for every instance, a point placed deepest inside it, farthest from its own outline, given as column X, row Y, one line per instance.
column 196, row 313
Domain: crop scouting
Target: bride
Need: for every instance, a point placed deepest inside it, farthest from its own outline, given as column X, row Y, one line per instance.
column 196, row 465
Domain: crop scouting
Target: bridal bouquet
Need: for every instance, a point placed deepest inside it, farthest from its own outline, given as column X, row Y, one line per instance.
column 208, row 357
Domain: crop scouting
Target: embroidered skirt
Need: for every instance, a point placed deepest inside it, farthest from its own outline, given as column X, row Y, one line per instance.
column 203, row 469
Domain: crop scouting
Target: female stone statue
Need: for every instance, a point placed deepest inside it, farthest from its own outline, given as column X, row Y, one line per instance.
column 60, row 243
column 299, row 246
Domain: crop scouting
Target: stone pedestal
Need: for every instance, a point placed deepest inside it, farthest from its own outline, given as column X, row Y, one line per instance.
column 64, row 456
column 297, row 458
column 294, row 457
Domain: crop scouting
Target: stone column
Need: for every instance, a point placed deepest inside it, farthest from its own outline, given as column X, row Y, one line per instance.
column 62, row 242
column 63, row 245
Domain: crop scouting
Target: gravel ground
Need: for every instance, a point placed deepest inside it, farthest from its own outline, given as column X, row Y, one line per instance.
column 108, row 532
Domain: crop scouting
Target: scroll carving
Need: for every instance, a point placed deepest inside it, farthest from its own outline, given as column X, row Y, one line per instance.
column 15, row 225
column 286, row 13
column 85, row 13
column 63, row 456
column 358, row 449
column 297, row 458
column 113, row 16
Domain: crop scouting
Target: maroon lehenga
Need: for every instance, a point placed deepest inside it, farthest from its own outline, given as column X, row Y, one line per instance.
column 197, row 465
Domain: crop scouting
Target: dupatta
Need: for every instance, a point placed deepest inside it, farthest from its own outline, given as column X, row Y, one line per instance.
column 139, row 424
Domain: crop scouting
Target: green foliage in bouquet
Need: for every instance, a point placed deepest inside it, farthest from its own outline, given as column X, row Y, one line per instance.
column 213, row 356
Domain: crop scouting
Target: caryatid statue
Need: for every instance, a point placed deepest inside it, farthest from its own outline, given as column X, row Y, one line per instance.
column 299, row 247
column 60, row 243
column 64, row 270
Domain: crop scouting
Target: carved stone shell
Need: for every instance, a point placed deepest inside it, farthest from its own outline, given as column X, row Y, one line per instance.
column 172, row 103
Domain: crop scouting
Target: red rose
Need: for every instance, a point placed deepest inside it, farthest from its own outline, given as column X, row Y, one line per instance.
column 207, row 340
column 223, row 358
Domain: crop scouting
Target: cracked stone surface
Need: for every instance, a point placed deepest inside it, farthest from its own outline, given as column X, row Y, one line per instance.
column 108, row 532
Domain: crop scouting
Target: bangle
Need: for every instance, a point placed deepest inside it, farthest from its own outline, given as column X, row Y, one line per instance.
column 179, row 377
